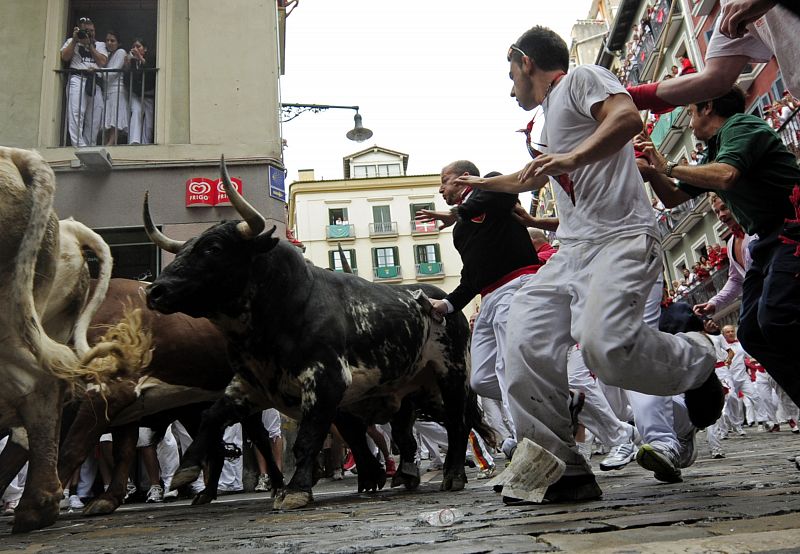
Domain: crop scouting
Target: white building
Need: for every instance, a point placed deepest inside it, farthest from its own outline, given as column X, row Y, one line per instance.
column 372, row 216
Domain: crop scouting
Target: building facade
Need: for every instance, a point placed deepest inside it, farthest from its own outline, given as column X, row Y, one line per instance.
column 371, row 216
column 204, row 106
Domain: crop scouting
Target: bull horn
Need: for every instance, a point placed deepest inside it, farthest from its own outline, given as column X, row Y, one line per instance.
column 345, row 264
column 253, row 222
column 159, row 239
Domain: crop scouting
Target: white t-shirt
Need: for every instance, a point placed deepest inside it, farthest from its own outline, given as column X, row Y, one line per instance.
column 610, row 199
column 776, row 33
column 737, row 368
column 82, row 58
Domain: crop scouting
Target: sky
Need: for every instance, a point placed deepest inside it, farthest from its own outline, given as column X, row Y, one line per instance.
column 431, row 80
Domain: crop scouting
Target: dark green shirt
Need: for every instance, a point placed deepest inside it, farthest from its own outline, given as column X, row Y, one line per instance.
column 760, row 198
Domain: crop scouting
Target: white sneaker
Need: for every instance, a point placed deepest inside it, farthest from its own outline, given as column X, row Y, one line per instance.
column 155, row 494
column 9, row 506
column 620, row 456
column 688, row 452
column 661, row 461
column 75, row 503
column 263, row 483
column 717, row 454
column 130, row 489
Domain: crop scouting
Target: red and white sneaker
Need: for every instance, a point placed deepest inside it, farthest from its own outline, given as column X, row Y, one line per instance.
column 793, row 426
column 349, row 462
column 391, row 467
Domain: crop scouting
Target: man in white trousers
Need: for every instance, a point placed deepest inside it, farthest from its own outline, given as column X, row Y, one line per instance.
column 607, row 237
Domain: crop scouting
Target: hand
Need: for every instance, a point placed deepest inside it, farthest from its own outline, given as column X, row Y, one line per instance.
column 656, row 158
column 426, row 216
column 522, row 216
column 737, row 14
column 705, row 309
column 75, row 33
column 439, row 306
column 549, row 164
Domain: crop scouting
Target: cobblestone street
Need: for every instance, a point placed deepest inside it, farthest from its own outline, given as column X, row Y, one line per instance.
column 747, row 502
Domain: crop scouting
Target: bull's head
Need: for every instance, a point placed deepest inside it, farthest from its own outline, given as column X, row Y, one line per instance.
column 210, row 271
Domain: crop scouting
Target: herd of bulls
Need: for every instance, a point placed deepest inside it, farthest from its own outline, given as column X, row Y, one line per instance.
column 322, row 347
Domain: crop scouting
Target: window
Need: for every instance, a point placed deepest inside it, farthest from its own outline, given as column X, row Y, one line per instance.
column 88, row 120
column 778, row 87
column 385, row 257
column 337, row 216
column 135, row 256
column 382, row 219
column 335, row 261
column 365, row 171
column 430, row 227
column 377, row 170
column 426, row 253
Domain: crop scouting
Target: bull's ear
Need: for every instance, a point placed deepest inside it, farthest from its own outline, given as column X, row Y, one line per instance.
column 265, row 242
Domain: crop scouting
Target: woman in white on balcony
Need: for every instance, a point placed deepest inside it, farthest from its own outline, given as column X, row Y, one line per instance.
column 142, row 96
column 115, row 118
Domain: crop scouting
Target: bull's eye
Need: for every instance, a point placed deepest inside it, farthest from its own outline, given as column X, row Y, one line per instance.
column 213, row 250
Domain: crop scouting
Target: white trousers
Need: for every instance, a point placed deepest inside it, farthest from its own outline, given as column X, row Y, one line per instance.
column 593, row 294
column 271, row 420
column 768, row 404
column 496, row 416
column 184, row 440
column 140, row 129
column 84, row 112
column 231, row 477
column 17, row 485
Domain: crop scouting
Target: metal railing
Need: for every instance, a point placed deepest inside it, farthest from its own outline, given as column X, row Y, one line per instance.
column 107, row 106
column 340, row 231
column 670, row 219
column 382, row 228
column 705, row 290
column 426, row 269
column 789, row 131
column 354, row 270
column 418, row 228
column 388, row 272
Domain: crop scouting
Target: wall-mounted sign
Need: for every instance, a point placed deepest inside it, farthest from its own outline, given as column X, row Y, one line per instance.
column 202, row 192
column 277, row 187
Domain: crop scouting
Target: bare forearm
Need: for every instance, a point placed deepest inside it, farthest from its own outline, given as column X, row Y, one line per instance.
column 510, row 183
column 544, row 223
column 665, row 189
column 68, row 51
column 715, row 176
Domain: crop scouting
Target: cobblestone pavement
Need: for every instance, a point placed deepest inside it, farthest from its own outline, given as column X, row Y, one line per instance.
column 747, row 502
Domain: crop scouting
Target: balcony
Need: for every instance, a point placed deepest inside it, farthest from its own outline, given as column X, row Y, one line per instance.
column 340, row 270
column 381, row 229
column 430, row 270
column 119, row 112
column 668, row 124
column 790, row 133
column 705, row 290
column 429, row 228
column 677, row 221
column 344, row 231
column 388, row 273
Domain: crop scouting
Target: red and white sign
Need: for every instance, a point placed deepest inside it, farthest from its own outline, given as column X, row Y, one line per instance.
column 202, row 192
column 222, row 197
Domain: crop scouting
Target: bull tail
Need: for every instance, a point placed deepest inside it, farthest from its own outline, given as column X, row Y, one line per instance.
column 474, row 418
column 39, row 182
column 91, row 240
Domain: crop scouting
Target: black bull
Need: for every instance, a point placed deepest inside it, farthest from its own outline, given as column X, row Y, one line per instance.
column 321, row 347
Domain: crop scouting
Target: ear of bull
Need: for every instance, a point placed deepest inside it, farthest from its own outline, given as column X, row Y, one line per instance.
column 159, row 239
column 253, row 222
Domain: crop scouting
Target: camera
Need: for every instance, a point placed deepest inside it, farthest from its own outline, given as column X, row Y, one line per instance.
column 82, row 34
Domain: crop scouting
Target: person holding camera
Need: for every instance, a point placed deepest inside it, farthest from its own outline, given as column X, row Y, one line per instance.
column 84, row 98
column 141, row 83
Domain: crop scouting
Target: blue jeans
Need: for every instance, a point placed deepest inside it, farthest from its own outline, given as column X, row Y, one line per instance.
column 769, row 323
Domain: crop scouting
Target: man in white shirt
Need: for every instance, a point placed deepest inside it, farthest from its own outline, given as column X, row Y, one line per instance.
column 84, row 98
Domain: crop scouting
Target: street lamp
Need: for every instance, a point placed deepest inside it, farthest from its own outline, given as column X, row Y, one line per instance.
column 359, row 133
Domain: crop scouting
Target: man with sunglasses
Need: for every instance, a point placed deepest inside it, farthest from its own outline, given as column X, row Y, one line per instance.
column 595, row 290
column 84, row 98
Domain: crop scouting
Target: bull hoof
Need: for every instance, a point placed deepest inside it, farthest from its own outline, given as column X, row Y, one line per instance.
column 203, row 497
column 407, row 475
column 30, row 520
column 371, row 482
column 101, row 506
column 184, row 476
column 293, row 500
column 455, row 482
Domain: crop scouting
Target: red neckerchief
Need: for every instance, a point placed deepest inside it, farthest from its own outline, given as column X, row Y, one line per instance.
column 464, row 194
column 737, row 231
column 731, row 341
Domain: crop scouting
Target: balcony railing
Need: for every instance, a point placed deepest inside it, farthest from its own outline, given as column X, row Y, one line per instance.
column 428, row 269
column 706, row 289
column 383, row 229
column 789, row 132
column 429, row 228
column 340, row 270
column 108, row 106
column 388, row 272
column 670, row 219
column 340, row 231
column 664, row 125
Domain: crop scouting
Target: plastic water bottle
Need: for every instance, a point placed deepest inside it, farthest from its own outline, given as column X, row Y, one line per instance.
column 441, row 518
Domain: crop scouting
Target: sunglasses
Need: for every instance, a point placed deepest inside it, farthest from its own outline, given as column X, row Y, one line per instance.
column 84, row 20
column 514, row 48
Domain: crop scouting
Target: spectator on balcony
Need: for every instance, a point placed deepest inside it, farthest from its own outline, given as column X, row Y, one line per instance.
column 693, row 159
column 115, row 119
column 686, row 65
column 789, row 100
column 142, row 84
column 689, row 278
column 701, row 272
column 705, row 263
column 674, row 72
column 752, row 171
column 729, row 51
column 84, row 98
column 483, row 220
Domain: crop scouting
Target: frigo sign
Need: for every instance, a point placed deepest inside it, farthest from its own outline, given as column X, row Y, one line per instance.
column 202, row 192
